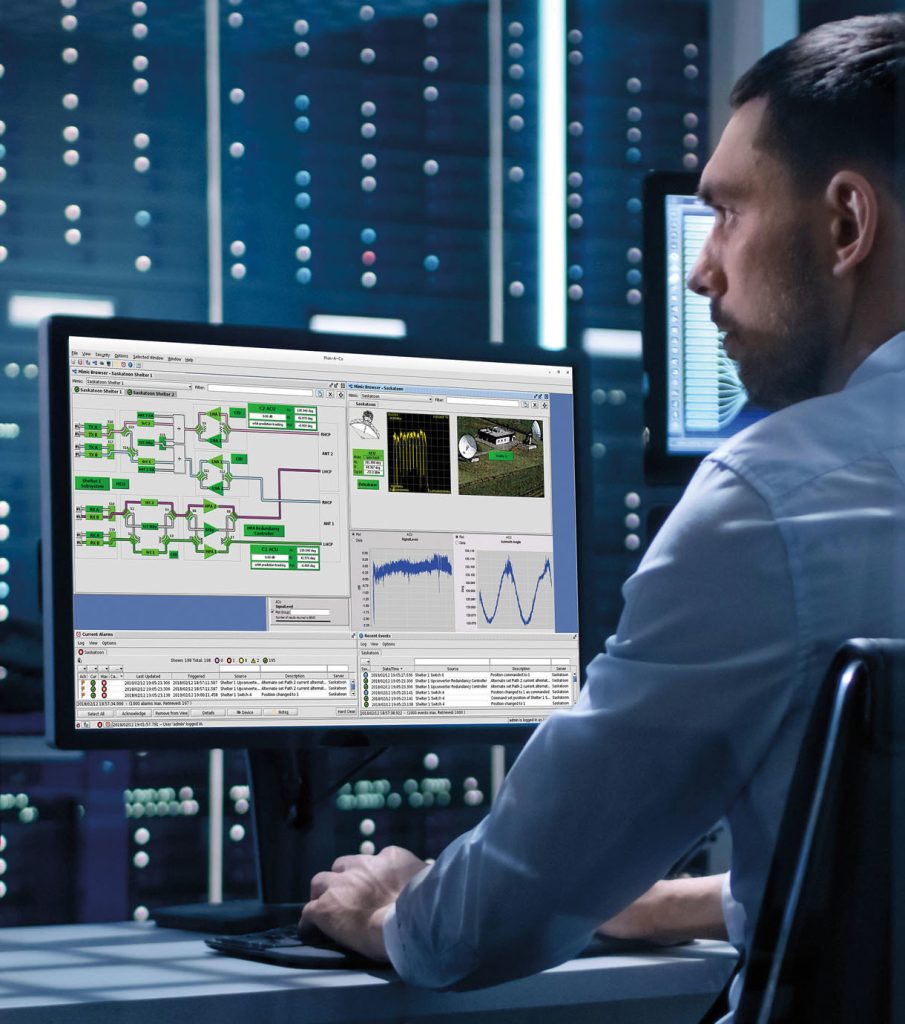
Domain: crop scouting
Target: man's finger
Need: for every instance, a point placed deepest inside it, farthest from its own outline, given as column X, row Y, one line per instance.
column 319, row 885
column 307, row 929
column 350, row 860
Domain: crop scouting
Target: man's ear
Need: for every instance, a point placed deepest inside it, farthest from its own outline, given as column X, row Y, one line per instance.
column 854, row 208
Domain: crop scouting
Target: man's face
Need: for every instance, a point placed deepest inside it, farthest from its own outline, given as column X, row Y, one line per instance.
column 766, row 269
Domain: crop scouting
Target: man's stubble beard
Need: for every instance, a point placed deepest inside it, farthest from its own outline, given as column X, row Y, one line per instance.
column 792, row 363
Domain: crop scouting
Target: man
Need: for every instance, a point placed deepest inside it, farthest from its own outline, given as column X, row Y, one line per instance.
column 790, row 539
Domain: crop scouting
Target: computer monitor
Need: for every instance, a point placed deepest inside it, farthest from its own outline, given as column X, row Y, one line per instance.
column 695, row 399
column 282, row 539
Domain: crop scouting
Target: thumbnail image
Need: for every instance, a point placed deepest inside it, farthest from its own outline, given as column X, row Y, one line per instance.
column 418, row 453
column 500, row 457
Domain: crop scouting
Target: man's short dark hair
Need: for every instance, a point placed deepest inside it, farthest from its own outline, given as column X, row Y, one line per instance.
column 835, row 98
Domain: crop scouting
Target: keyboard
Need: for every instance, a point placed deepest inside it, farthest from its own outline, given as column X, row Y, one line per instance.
column 284, row 947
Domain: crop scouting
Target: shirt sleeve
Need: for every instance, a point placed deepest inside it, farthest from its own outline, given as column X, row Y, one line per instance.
column 734, row 915
column 672, row 723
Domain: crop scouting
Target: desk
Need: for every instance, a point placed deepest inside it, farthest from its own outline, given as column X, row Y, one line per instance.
column 115, row 973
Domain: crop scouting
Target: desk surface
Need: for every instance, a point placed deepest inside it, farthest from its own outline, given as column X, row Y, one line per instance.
column 106, row 973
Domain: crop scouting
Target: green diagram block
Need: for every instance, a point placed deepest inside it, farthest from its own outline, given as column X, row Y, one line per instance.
column 150, row 552
column 267, row 416
column 264, row 530
column 145, row 419
column 93, row 429
column 237, row 412
column 367, row 462
column 145, row 442
column 120, row 484
column 149, row 502
column 368, row 485
column 150, row 526
column 286, row 557
column 94, row 534
column 92, row 483
column 501, row 456
column 94, row 512
column 239, row 459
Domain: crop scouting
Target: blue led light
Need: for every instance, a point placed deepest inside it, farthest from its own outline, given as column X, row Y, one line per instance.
column 303, row 200
column 633, row 205
column 633, row 154
column 4, row 590
column 302, row 102
column 575, row 272
column 303, row 178
column 302, row 232
column 302, row 124
column 633, row 277
column 431, row 262
column 303, row 275
column 369, row 236
column 142, row 218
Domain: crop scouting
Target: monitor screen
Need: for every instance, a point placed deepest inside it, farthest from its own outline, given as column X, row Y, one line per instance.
column 696, row 398
column 254, row 534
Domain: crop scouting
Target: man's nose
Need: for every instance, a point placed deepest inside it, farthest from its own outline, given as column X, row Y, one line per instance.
column 707, row 277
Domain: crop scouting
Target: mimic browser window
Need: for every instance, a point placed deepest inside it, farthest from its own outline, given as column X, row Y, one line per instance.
column 268, row 537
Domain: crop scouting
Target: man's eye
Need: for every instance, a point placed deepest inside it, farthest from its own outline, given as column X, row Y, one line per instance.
column 723, row 215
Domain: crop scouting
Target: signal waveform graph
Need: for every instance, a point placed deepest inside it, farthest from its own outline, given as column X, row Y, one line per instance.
column 515, row 590
column 418, row 455
column 412, row 590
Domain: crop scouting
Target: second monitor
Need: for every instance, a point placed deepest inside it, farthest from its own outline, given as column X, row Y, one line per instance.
column 695, row 400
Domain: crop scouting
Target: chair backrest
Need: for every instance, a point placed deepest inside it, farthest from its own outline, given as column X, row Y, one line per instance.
column 828, row 944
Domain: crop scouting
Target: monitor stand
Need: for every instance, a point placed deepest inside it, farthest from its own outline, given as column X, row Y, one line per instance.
column 289, row 848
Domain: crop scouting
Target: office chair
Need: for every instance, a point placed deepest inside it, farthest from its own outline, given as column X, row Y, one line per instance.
column 829, row 944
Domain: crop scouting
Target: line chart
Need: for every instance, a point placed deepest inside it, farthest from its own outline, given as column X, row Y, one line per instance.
column 412, row 590
column 515, row 590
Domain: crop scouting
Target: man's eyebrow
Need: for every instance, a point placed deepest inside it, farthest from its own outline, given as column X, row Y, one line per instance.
column 716, row 192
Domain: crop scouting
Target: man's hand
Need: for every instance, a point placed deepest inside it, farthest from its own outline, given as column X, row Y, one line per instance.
column 672, row 911
column 350, row 902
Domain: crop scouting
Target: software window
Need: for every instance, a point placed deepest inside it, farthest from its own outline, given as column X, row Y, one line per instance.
column 272, row 537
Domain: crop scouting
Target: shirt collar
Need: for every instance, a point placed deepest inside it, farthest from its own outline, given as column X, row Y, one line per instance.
column 888, row 358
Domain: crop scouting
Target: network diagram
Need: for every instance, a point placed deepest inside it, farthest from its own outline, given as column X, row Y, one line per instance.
column 254, row 484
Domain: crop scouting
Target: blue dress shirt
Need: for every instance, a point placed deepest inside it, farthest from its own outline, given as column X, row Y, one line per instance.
column 789, row 540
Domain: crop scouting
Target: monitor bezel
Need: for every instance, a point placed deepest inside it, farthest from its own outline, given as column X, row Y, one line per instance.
column 56, row 516
column 661, row 467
